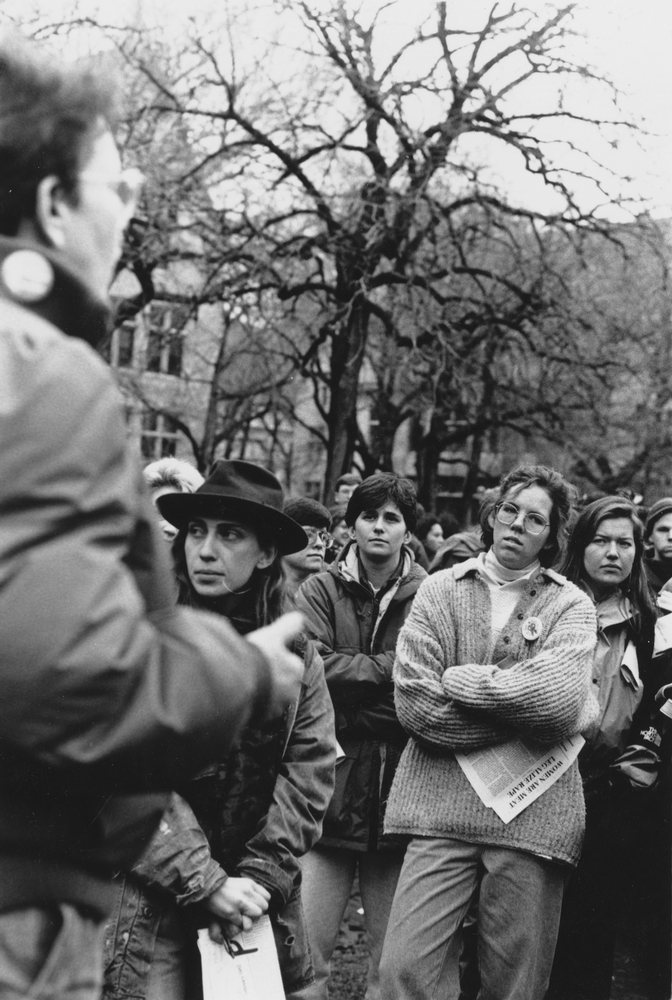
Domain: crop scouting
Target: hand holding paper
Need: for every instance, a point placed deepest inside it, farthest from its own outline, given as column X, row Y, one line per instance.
column 239, row 901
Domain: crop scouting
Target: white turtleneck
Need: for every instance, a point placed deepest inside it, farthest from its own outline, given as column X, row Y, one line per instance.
column 505, row 585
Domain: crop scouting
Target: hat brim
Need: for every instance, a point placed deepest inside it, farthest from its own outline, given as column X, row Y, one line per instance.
column 180, row 508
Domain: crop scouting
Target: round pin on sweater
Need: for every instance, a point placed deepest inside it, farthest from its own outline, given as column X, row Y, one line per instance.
column 531, row 628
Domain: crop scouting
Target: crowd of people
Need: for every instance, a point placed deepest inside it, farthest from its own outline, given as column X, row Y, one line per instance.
column 549, row 631
column 221, row 702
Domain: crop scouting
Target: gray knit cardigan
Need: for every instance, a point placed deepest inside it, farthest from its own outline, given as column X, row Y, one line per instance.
column 451, row 695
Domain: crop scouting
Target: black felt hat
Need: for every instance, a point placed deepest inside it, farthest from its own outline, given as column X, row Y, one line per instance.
column 241, row 490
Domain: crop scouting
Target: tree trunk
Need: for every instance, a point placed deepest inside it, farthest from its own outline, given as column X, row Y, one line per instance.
column 428, row 454
column 471, row 478
column 347, row 355
column 209, row 439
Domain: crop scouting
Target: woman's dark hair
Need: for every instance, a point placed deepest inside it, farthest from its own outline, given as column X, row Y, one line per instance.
column 267, row 586
column 562, row 495
column 425, row 525
column 378, row 490
column 636, row 586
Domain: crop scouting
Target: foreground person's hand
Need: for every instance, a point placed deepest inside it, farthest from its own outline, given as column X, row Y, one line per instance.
column 286, row 667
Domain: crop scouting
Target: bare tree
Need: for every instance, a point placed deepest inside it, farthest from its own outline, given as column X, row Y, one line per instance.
column 342, row 176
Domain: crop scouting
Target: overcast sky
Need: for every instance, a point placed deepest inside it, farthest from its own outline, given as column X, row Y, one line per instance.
column 631, row 42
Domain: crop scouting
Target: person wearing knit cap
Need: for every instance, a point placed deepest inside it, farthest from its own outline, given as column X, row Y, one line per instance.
column 315, row 520
column 498, row 647
column 659, row 537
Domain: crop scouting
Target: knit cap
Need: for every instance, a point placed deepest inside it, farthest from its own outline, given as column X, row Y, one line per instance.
column 658, row 510
column 305, row 511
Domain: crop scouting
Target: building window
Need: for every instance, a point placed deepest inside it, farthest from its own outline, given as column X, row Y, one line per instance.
column 125, row 340
column 165, row 339
column 159, row 435
column 119, row 350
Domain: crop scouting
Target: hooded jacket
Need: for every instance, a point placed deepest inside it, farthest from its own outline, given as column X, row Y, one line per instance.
column 356, row 634
column 110, row 694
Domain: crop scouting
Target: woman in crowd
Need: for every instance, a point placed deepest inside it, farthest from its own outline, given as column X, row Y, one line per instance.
column 497, row 647
column 354, row 612
column 429, row 531
column 227, row 850
column 605, row 558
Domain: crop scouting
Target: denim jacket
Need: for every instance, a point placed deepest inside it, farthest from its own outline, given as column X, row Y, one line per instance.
column 182, row 866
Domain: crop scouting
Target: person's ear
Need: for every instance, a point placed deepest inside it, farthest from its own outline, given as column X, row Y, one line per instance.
column 352, row 532
column 266, row 558
column 50, row 208
column 407, row 536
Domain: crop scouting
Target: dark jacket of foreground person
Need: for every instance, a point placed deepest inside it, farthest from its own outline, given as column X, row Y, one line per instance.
column 109, row 692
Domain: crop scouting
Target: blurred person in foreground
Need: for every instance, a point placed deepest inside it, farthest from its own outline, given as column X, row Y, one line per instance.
column 109, row 694
column 170, row 475
column 496, row 648
column 315, row 521
column 354, row 611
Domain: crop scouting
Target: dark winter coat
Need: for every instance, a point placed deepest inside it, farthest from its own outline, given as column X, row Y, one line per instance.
column 253, row 815
column 356, row 634
column 109, row 692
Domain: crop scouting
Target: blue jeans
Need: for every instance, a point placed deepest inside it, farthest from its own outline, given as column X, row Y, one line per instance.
column 519, row 901
column 327, row 877
column 50, row 953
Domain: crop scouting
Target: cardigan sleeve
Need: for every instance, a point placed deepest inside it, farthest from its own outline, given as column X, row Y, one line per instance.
column 546, row 697
column 426, row 711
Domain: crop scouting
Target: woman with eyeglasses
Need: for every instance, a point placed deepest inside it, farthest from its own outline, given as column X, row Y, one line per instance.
column 605, row 558
column 315, row 520
column 497, row 647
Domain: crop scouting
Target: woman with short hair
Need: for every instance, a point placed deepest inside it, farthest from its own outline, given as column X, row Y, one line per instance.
column 495, row 648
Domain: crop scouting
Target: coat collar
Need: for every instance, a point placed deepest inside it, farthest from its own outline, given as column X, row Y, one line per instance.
column 344, row 569
column 470, row 567
column 33, row 277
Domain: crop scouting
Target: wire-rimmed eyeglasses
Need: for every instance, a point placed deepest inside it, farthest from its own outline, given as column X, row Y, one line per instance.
column 506, row 513
column 316, row 534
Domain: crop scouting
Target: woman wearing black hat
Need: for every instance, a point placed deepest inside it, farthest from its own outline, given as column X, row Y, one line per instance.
column 227, row 850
